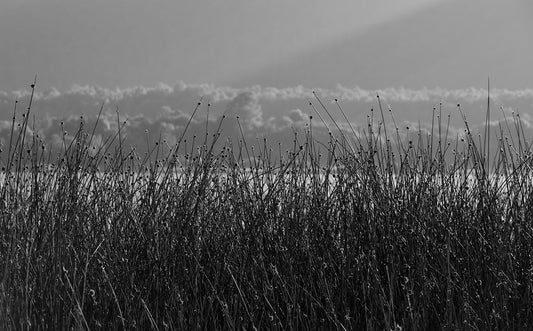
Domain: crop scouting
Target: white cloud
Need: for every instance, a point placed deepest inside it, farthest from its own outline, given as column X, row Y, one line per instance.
column 261, row 110
column 245, row 106
column 137, row 99
column 296, row 117
column 470, row 95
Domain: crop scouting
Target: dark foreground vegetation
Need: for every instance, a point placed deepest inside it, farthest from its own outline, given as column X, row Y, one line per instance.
column 377, row 230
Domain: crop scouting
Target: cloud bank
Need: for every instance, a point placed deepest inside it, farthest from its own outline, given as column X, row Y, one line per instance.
column 260, row 112
column 167, row 93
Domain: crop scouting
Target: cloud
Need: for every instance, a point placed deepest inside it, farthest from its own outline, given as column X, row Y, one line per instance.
column 247, row 109
column 269, row 112
column 295, row 118
column 149, row 100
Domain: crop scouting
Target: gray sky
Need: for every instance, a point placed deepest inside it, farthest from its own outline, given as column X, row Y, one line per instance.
column 262, row 58
column 373, row 44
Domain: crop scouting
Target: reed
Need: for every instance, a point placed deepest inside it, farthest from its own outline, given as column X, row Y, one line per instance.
column 382, row 228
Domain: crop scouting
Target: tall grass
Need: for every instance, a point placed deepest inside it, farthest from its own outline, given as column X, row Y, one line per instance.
column 382, row 228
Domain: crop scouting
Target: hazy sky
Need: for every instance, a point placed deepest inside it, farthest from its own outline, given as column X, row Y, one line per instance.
column 376, row 44
column 262, row 58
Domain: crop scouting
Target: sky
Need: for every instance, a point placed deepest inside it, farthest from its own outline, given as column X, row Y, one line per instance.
column 133, row 42
column 263, row 59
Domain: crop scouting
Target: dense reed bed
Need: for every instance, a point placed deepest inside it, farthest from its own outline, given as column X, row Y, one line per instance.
column 375, row 229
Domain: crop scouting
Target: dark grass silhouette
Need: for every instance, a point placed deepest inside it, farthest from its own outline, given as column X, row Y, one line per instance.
column 369, row 230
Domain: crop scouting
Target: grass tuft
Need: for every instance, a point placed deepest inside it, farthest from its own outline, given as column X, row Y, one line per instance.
column 382, row 228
